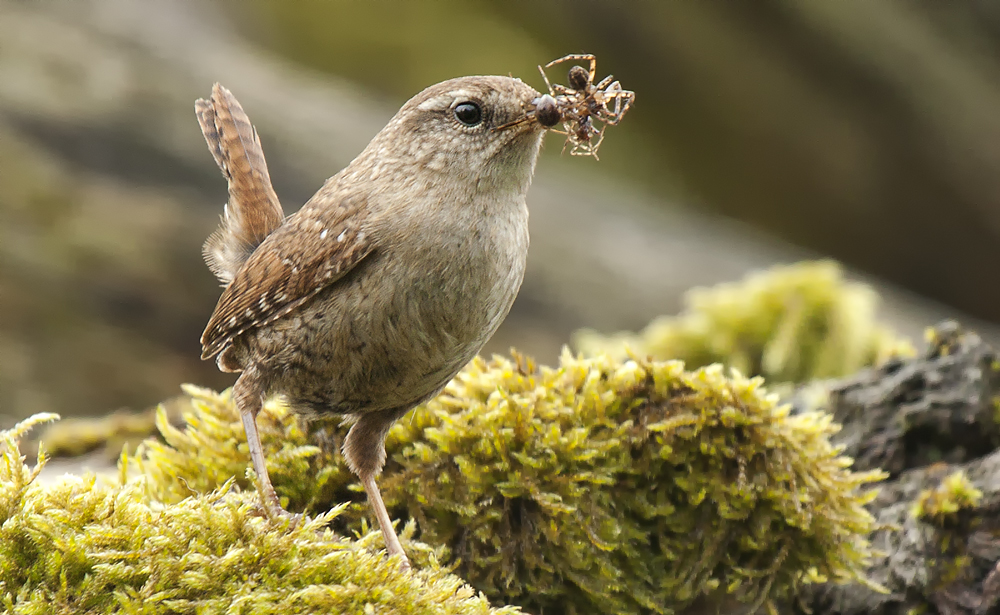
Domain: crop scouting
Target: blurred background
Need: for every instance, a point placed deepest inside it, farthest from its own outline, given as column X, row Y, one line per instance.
column 763, row 132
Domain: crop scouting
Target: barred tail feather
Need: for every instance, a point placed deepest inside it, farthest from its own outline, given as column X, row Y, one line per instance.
column 253, row 211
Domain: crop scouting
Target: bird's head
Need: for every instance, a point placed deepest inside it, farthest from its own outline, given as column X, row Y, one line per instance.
column 478, row 131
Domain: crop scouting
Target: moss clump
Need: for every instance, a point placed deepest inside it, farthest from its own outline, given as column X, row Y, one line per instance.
column 952, row 511
column 789, row 324
column 109, row 434
column 303, row 457
column 942, row 505
column 598, row 486
column 80, row 546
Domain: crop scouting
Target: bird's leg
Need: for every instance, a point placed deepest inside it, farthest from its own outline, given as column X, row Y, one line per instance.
column 249, row 400
column 364, row 451
column 267, row 495
column 392, row 545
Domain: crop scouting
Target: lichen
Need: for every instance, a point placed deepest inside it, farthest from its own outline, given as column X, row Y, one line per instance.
column 597, row 486
column 85, row 546
column 791, row 323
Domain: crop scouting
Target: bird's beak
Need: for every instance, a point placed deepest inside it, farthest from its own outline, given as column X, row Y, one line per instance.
column 543, row 111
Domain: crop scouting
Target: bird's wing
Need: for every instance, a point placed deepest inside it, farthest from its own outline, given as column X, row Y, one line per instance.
column 313, row 249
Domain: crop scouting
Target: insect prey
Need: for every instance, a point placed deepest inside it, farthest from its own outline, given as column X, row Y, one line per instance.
column 586, row 108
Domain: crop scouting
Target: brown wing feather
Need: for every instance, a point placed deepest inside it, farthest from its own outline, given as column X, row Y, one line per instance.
column 254, row 210
column 313, row 249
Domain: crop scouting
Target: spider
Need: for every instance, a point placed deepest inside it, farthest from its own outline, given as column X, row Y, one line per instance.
column 583, row 101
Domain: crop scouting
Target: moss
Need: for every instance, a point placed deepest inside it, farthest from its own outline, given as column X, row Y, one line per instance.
column 598, row 486
column 951, row 510
column 942, row 505
column 110, row 434
column 792, row 323
column 83, row 546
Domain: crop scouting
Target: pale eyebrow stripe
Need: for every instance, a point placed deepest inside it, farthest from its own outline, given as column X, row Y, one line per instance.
column 443, row 101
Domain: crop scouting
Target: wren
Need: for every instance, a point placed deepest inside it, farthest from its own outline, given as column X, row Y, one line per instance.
column 370, row 298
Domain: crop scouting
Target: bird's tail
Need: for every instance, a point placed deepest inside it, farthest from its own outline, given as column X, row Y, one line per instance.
column 253, row 211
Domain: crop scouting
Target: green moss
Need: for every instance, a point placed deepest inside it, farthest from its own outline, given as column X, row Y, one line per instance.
column 950, row 509
column 598, row 486
column 109, row 434
column 792, row 323
column 942, row 505
column 82, row 546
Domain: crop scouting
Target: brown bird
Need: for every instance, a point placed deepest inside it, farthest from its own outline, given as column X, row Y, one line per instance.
column 371, row 297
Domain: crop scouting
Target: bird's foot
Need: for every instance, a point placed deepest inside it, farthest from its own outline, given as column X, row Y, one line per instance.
column 274, row 511
column 404, row 564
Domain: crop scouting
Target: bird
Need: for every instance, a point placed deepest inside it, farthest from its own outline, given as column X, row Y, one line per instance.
column 370, row 298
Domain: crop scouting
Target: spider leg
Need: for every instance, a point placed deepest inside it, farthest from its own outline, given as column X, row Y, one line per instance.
column 582, row 149
column 556, row 61
column 590, row 58
column 629, row 98
column 596, row 141
column 612, row 112
column 604, row 82
column 593, row 68
column 622, row 102
column 546, row 78
column 569, row 137
column 573, row 56
column 588, row 150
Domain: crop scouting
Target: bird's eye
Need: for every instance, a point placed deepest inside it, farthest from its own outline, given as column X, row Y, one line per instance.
column 469, row 113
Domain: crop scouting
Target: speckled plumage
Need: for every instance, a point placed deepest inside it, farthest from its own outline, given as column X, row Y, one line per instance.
column 375, row 294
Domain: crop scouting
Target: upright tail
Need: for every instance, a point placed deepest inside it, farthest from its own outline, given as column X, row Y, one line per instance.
column 253, row 211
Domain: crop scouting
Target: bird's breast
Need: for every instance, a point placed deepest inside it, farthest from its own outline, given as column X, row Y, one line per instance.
column 465, row 282
column 413, row 314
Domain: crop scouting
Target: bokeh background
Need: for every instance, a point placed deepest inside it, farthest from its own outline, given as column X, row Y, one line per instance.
column 763, row 132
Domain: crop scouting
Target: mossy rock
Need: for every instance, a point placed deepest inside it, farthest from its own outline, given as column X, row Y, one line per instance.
column 791, row 323
column 598, row 486
column 83, row 546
